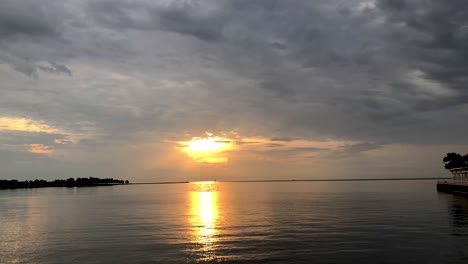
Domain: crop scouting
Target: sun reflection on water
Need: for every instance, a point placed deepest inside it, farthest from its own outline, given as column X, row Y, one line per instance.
column 204, row 214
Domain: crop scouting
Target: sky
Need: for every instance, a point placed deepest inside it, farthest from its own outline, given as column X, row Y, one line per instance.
column 231, row 89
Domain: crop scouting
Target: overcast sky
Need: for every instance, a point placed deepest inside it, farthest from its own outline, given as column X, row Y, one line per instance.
column 300, row 89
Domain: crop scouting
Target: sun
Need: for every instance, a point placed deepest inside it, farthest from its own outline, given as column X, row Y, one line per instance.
column 205, row 144
column 209, row 149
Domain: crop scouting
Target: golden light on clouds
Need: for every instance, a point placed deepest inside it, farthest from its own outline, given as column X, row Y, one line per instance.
column 21, row 124
column 26, row 125
column 210, row 149
column 40, row 149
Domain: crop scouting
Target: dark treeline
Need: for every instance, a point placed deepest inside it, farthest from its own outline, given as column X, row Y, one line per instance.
column 71, row 182
column 454, row 160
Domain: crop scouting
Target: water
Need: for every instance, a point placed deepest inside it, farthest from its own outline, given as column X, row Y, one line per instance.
column 297, row 222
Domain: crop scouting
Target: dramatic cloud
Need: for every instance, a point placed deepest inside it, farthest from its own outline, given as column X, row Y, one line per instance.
column 115, row 82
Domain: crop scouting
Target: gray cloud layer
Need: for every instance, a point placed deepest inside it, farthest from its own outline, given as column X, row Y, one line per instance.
column 379, row 72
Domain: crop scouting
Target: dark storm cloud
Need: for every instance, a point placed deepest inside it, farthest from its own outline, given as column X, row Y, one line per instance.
column 292, row 151
column 180, row 17
column 282, row 139
column 25, row 18
column 55, row 67
column 353, row 150
column 24, row 23
column 434, row 33
column 273, row 145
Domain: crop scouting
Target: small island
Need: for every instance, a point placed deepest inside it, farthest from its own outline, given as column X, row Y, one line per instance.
column 71, row 182
column 458, row 165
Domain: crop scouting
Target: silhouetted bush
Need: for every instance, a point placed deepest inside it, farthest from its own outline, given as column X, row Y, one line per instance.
column 71, row 182
column 454, row 160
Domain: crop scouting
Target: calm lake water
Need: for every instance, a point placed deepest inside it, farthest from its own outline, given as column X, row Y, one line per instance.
column 296, row 222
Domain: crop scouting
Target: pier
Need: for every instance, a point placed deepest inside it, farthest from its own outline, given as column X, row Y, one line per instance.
column 459, row 185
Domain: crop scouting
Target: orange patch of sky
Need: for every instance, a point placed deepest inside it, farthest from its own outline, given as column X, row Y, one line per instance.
column 31, row 126
column 40, row 149
column 26, row 125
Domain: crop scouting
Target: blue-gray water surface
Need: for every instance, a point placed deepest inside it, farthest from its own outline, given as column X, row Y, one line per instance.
column 292, row 222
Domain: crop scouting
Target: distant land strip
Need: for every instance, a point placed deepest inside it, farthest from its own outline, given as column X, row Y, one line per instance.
column 308, row 180
column 359, row 179
column 176, row 182
column 70, row 182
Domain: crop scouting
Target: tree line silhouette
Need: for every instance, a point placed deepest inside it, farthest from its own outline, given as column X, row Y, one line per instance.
column 454, row 160
column 71, row 182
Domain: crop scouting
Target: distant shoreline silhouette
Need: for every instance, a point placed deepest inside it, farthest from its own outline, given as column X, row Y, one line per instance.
column 70, row 182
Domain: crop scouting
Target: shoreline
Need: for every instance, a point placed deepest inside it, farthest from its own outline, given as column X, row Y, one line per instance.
column 61, row 186
column 68, row 183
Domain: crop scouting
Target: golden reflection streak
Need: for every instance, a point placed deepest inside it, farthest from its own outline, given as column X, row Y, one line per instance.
column 204, row 214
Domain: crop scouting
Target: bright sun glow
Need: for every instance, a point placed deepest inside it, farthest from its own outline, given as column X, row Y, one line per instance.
column 208, row 149
column 205, row 144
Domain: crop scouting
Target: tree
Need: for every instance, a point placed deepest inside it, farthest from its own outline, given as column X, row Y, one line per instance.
column 455, row 160
column 70, row 182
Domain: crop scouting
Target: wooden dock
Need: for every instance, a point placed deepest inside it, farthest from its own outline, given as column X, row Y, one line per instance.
column 454, row 188
column 459, row 185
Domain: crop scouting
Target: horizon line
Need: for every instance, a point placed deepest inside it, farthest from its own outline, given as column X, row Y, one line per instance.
column 301, row 180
